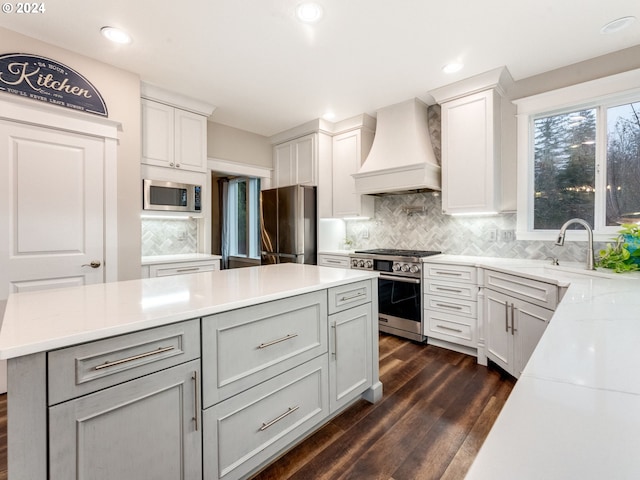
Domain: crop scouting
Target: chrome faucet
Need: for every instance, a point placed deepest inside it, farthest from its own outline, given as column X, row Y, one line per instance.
column 563, row 231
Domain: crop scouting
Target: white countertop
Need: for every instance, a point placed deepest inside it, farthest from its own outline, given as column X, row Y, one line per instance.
column 38, row 321
column 177, row 258
column 575, row 411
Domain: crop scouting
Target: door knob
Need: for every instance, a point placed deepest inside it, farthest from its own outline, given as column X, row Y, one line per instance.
column 94, row 264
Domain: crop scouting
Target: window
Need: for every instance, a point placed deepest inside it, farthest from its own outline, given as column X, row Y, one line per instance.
column 243, row 211
column 564, row 168
column 579, row 162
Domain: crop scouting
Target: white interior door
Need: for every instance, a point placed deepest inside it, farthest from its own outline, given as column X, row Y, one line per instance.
column 52, row 185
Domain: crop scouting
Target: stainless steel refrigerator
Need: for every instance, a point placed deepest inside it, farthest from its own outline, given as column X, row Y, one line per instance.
column 288, row 225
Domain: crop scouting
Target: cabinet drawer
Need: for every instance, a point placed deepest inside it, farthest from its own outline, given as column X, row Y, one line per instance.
column 89, row 367
column 244, row 347
column 451, row 305
column 453, row 273
column 164, row 269
column 465, row 291
column 348, row 296
column 243, row 432
column 452, row 328
column 337, row 261
column 534, row 291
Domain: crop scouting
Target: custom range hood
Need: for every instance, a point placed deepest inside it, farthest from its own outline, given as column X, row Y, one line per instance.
column 402, row 158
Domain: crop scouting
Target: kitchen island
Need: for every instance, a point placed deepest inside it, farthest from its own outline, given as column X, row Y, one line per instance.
column 209, row 375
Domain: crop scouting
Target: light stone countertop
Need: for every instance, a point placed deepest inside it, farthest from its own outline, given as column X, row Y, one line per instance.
column 49, row 319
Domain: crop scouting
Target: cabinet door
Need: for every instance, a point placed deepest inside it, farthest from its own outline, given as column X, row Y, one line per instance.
column 530, row 323
column 157, row 134
column 145, row 428
column 498, row 336
column 347, row 159
column 469, row 149
column 350, row 366
column 283, row 165
column 305, row 160
column 190, row 141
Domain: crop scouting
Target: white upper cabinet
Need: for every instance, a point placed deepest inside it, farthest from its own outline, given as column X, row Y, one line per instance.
column 326, row 155
column 190, row 145
column 349, row 151
column 174, row 130
column 295, row 162
column 478, row 144
column 471, row 152
column 173, row 138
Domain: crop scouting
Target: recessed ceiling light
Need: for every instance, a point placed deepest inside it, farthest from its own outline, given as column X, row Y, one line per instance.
column 617, row 25
column 309, row 12
column 116, row 35
column 452, row 67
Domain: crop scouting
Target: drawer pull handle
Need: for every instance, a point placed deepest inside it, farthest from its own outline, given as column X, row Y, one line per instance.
column 351, row 297
column 328, row 260
column 289, row 411
column 449, row 328
column 444, row 305
column 194, row 377
column 185, row 270
column 273, row 342
column 453, row 290
column 453, row 274
column 135, row 357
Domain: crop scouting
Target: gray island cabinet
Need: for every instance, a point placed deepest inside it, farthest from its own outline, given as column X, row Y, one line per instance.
column 206, row 376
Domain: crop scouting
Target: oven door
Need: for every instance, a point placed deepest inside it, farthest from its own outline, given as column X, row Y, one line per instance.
column 400, row 306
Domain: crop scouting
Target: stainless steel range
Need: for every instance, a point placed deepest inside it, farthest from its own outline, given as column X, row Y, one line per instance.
column 399, row 288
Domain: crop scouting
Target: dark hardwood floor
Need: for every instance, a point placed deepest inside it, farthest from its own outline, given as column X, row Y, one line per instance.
column 437, row 408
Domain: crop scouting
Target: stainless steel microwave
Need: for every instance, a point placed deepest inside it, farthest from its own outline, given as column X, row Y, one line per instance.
column 170, row 196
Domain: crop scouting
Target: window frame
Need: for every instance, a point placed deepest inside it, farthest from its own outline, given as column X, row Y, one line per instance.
column 600, row 94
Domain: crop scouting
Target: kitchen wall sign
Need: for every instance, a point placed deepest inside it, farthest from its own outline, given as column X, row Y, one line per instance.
column 46, row 80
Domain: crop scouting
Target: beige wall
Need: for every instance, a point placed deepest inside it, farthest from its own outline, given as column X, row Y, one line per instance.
column 121, row 92
column 598, row 67
column 228, row 143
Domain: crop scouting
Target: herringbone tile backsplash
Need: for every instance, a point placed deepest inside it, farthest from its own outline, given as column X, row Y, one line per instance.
column 399, row 222
column 169, row 236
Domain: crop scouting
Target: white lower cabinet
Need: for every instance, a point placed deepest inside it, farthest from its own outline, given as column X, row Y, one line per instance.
column 513, row 328
column 450, row 306
column 244, row 431
column 146, row 428
column 272, row 372
column 350, row 368
column 334, row 260
column 180, row 268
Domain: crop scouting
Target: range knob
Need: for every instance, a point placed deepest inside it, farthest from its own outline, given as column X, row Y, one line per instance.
column 414, row 269
column 369, row 264
column 405, row 268
column 396, row 267
column 361, row 263
column 354, row 263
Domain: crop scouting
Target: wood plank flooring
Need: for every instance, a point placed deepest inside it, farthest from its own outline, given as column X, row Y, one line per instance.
column 437, row 408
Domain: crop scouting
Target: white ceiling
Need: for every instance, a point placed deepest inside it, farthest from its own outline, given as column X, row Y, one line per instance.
column 266, row 72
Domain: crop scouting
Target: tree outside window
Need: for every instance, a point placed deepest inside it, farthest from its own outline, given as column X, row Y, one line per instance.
column 569, row 165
